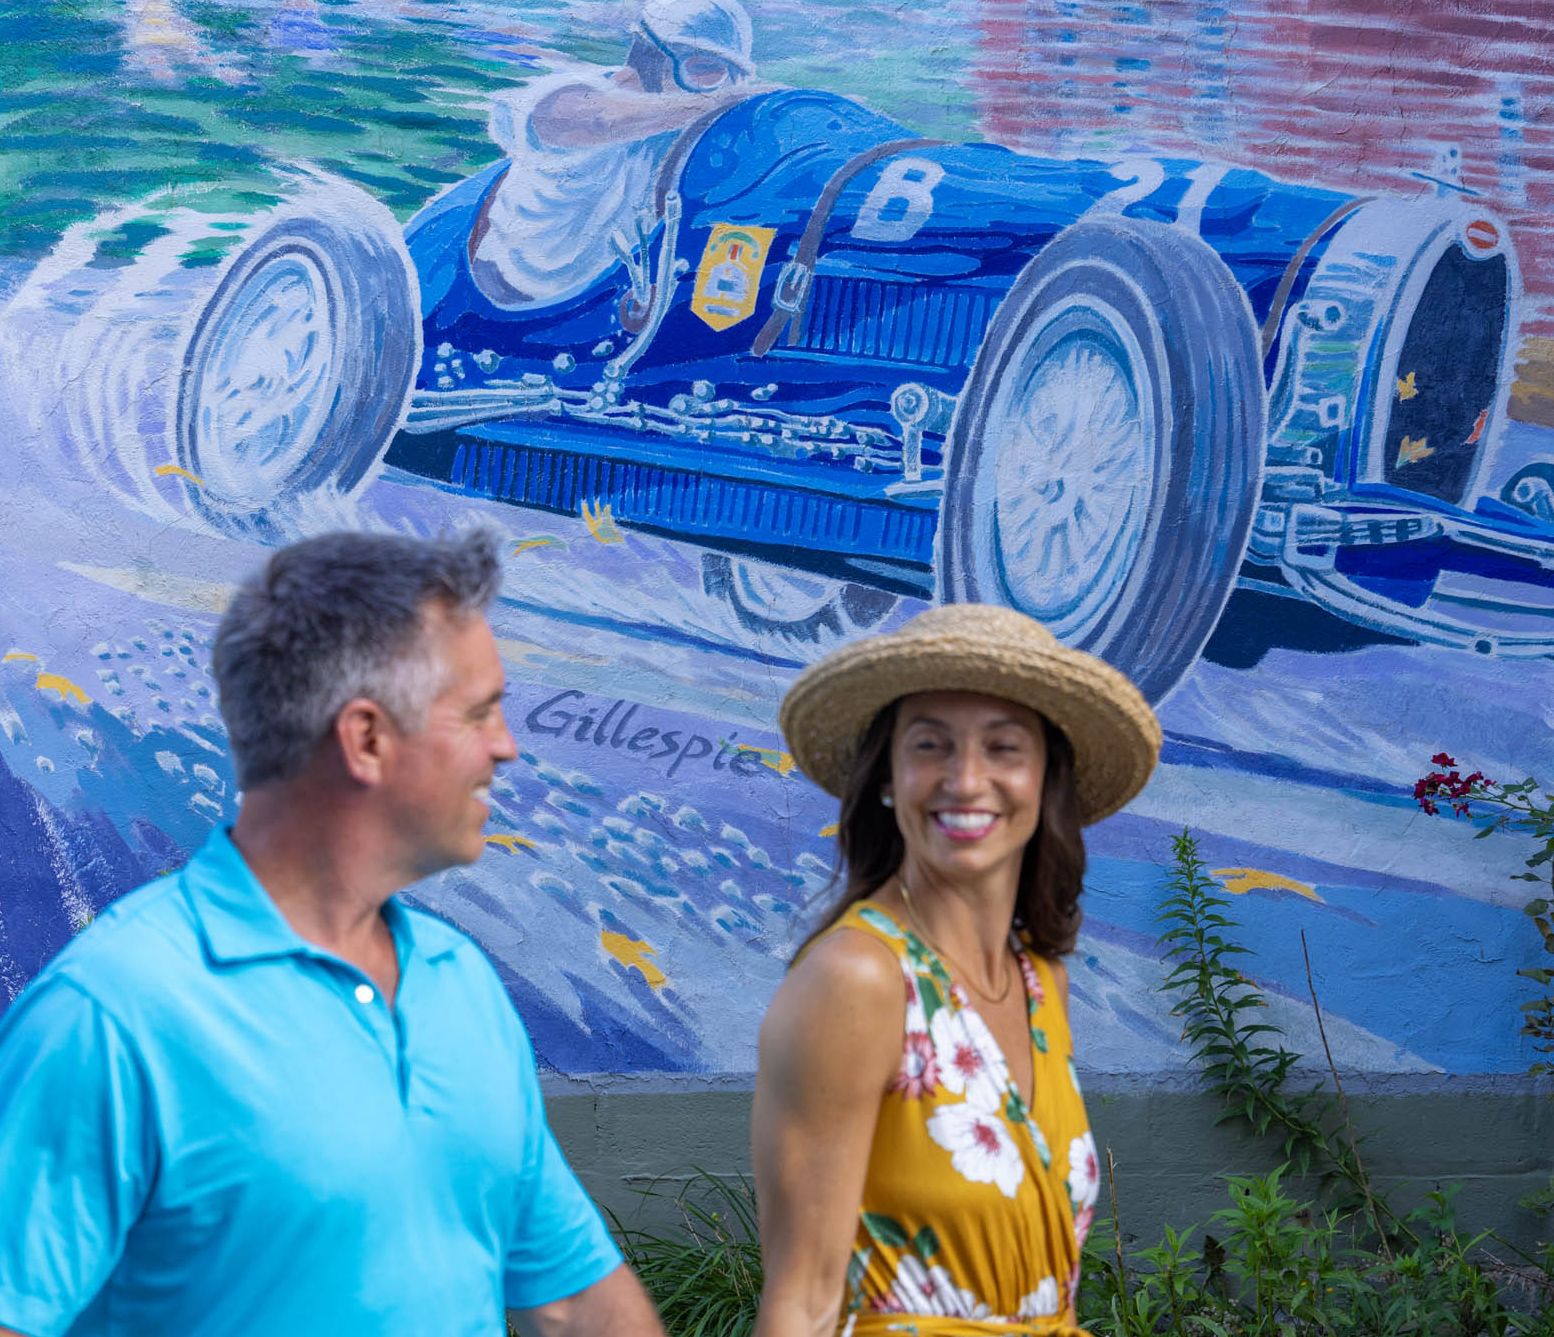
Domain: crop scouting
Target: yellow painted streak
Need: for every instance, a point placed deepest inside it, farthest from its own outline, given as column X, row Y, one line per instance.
column 1406, row 387
column 601, row 523
column 512, row 844
column 177, row 471
column 827, row 832
column 633, row 953
column 1413, row 449
column 55, row 682
column 524, row 545
column 11, row 656
column 159, row 586
column 537, row 658
column 1239, row 881
column 781, row 762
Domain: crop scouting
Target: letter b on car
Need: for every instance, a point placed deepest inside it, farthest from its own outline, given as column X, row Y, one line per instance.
column 901, row 201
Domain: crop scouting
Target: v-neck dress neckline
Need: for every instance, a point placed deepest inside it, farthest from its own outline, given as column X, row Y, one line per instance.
column 1030, row 987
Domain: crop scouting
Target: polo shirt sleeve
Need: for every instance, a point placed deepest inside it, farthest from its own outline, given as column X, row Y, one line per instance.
column 76, row 1154
column 560, row 1245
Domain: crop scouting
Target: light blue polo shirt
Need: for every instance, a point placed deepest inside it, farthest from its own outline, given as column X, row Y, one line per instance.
column 208, row 1126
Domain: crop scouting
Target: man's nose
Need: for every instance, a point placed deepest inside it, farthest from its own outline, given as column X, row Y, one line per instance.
column 504, row 747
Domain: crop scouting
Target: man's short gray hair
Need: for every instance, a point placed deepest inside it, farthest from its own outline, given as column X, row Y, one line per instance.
column 333, row 618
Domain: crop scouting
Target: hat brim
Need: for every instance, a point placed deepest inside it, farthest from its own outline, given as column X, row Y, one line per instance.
column 1115, row 735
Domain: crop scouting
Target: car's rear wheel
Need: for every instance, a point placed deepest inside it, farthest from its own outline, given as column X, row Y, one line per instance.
column 1105, row 457
column 792, row 605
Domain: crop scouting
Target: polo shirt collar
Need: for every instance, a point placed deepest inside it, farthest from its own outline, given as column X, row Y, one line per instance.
column 239, row 922
column 410, row 935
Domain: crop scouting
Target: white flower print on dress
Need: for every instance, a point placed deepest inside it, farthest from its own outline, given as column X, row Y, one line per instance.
column 918, row 1288
column 1043, row 1302
column 969, row 1061
column 1084, row 1172
column 980, row 1147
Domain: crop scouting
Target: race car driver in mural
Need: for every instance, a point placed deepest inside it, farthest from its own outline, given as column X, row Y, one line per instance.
column 586, row 146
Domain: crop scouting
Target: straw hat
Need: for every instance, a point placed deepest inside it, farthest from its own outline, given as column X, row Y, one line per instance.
column 976, row 648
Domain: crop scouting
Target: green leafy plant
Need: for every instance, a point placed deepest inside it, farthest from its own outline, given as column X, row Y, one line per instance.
column 705, row 1274
column 1244, row 1059
column 1277, row 1267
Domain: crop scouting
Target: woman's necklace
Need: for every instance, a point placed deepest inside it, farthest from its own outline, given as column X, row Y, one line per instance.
column 906, row 897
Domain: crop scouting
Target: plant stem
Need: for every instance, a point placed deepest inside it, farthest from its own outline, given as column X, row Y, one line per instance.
column 1122, row 1270
column 1343, row 1107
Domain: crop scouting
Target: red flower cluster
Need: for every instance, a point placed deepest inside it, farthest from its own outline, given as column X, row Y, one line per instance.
column 1449, row 784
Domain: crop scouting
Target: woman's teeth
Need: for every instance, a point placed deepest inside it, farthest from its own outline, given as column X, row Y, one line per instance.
column 964, row 823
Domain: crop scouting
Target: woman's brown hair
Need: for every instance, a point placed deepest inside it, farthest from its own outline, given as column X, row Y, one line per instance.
column 869, row 847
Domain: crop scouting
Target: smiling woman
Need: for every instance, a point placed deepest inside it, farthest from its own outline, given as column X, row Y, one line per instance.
column 921, row 1144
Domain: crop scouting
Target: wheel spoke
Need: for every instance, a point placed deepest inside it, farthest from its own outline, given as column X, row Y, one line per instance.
column 1075, row 457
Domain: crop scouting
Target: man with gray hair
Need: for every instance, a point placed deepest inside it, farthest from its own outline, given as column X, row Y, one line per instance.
column 264, row 1095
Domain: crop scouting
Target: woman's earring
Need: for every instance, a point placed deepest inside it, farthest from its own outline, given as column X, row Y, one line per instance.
column 886, row 801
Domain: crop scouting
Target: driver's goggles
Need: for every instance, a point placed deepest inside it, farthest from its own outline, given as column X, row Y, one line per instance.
column 699, row 71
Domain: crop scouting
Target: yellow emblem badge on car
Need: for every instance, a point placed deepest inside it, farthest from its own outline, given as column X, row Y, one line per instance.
column 728, row 280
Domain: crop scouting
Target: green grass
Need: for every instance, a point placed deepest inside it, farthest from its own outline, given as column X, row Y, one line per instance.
column 705, row 1273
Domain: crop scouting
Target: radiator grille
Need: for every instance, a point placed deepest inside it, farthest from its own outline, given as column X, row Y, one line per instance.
column 896, row 322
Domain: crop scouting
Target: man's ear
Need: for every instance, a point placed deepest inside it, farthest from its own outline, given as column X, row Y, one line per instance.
column 364, row 733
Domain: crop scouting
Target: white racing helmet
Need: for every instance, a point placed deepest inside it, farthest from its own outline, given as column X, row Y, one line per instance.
column 707, row 29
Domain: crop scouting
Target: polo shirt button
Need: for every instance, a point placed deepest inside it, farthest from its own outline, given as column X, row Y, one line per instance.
column 364, row 993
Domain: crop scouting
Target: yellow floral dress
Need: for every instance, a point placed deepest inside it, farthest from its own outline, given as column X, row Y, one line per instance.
column 975, row 1205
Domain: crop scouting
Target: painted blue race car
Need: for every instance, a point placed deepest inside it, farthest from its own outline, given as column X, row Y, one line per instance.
column 855, row 364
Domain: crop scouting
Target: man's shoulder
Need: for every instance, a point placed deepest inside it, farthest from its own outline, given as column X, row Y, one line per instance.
column 131, row 928
column 132, row 939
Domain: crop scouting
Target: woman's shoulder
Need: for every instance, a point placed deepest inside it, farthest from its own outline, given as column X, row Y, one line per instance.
column 859, row 954
column 842, row 1006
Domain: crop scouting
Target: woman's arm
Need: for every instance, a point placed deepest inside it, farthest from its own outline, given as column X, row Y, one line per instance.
column 830, row 1045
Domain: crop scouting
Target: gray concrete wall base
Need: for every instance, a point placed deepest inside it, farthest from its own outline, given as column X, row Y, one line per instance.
column 1171, row 1157
column 1172, row 1160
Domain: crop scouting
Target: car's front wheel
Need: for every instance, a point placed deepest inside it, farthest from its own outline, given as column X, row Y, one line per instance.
column 1105, row 457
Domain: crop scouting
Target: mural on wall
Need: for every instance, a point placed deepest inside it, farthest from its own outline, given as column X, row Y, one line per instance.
column 1200, row 342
